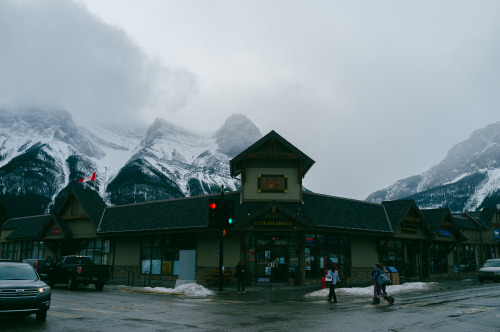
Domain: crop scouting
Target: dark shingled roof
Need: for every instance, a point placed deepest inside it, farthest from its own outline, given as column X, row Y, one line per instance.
column 435, row 217
column 27, row 228
column 464, row 222
column 488, row 215
column 397, row 210
column 318, row 211
column 235, row 164
column 182, row 213
column 347, row 214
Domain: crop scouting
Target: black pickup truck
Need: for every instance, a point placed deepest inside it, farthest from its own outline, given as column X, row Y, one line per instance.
column 77, row 270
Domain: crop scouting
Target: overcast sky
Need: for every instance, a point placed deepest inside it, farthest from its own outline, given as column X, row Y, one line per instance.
column 373, row 91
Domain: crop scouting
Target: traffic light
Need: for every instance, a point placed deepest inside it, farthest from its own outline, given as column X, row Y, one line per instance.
column 220, row 213
column 229, row 213
column 214, row 206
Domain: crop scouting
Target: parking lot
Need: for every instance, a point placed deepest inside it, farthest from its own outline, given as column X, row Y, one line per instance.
column 457, row 306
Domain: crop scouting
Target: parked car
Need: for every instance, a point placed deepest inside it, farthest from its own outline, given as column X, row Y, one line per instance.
column 22, row 291
column 489, row 271
column 78, row 270
column 38, row 264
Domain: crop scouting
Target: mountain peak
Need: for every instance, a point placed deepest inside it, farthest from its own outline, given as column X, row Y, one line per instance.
column 236, row 134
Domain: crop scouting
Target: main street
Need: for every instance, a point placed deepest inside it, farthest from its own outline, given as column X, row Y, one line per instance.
column 451, row 306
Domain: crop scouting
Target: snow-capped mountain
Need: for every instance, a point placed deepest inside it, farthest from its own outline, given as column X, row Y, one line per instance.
column 42, row 152
column 466, row 180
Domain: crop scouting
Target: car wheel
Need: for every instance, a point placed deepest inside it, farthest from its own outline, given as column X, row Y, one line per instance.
column 41, row 315
column 71, row 284
column 99, row 285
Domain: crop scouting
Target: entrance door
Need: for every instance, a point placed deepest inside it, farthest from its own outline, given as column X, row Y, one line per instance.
column 276, row 254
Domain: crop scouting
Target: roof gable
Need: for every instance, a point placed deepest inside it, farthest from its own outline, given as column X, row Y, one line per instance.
column 89, row 199
column 282, row 146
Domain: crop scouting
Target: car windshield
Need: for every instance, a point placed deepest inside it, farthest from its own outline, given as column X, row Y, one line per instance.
column 492, row 264
column 17, row 272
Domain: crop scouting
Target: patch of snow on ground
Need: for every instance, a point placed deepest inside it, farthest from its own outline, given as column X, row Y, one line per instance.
column 191, row 289
column 368, row 291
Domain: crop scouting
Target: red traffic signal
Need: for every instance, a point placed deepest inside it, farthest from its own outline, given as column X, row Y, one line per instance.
column 212, row 206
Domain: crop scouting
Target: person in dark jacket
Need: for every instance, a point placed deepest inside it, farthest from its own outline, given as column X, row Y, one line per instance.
column 240, row 276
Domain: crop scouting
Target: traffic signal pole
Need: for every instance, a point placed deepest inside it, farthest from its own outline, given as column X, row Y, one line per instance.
column 221, row 250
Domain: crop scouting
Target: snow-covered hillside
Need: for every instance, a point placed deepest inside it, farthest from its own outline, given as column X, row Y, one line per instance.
column 466, row 180
column 44, row 151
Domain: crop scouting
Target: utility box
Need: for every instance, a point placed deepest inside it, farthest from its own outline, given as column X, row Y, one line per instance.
column 394, row 274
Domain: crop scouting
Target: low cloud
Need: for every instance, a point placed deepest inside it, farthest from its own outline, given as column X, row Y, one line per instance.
column 56, row 53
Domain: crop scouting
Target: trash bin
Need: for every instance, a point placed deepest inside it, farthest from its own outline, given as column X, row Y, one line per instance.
column 394, row 274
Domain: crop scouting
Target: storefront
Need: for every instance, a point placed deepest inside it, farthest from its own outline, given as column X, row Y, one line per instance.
column 281, row 232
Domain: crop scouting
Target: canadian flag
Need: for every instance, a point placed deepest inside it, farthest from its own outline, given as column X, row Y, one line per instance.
column 90, row 178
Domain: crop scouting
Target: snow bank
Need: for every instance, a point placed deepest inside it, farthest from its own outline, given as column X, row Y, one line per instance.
column 368, row 291
column 185, row 289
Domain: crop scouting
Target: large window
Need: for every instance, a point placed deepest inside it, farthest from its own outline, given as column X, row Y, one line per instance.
column 467, row 261
column 9, row 250
column 438, row 258
column 323, row 250
column 160, row 254
column 97, row 249
column 392, row 254
column 32, row 249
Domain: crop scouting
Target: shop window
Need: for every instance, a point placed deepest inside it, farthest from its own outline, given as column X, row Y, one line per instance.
column 490, row 251
column 32, row 249
column 321, row 251
column 9, row 250
column 467, row 261
column 97, row 249
column 160, row 255
column 438, row 258
column 392, row 254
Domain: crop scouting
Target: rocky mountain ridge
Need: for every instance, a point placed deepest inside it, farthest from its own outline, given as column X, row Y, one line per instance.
column 42, row 152
column 468, row 179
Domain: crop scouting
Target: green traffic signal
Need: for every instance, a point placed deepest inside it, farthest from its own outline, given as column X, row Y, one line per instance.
column 230, row 221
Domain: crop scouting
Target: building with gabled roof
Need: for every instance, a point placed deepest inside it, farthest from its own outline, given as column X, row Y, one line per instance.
column 282, row 232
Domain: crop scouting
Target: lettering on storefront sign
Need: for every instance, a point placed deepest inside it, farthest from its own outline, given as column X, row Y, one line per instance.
column 444, row 232
column 272, row 223
column 54, row 231
column 409, row 228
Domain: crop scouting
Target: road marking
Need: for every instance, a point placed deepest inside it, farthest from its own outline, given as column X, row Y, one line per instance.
column 412, row 305
column 95, row 311
column 471, row 311
column 62, row 314
column 123, row 308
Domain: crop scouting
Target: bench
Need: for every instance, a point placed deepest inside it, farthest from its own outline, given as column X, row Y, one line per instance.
column 213, row 277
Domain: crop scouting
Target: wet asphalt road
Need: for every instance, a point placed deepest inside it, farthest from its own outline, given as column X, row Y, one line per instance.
column 453, row 306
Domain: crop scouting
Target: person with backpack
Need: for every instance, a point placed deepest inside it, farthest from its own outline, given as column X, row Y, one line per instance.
column 332, row 277
column 380, row 281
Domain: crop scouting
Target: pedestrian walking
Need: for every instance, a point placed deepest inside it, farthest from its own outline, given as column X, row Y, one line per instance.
column 379, row 286
column 332, row 277
column 240, row 276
